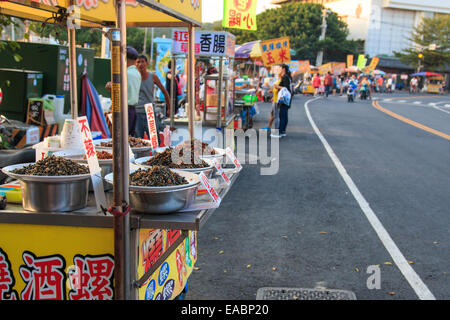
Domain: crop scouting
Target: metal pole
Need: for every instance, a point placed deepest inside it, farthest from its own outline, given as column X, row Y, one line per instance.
column 122, row 275
column 219, row 98
column 151, row 50
column 191, row 79
column 73, row 73
column 172, row 92
column 145, row 41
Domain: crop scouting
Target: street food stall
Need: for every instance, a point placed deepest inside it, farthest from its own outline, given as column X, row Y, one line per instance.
column 218, row 46
column 60, row 241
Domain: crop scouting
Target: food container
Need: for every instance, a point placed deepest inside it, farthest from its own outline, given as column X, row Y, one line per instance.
column 138, row 152
column 208, row 171
column 105, row 166
column 51, row 193
column 162, row 200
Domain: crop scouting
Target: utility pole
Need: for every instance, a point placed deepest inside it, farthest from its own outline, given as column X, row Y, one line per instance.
column 319, row 58
column 145, row 41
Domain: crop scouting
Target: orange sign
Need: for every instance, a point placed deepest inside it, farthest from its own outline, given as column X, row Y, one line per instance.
column 275, row 51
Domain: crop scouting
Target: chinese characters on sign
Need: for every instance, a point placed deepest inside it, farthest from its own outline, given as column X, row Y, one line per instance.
column 151, row 125
column 92, row 160
column 303, row 66
column 207, row 43
column 45, row 277
column 239, row 14
column 205, row 182
column 275, row 51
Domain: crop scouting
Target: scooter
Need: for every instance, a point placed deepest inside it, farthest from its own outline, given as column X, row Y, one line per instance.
column 363, row 92
column 351, row 93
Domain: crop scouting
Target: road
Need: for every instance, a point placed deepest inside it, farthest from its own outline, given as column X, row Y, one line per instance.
column 361, row 196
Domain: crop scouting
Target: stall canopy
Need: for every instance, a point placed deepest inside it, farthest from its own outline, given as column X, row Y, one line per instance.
column 90, row 13
column 426, row 74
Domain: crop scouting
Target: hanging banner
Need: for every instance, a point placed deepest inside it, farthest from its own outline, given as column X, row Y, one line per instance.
column 275, row 51
column 303, row 66
column 361, row 63
column 325, row 68
column 349, row 60
column 239, row 14
column 373, row 64
column 162, row 59
column 207, row 43
column 338, row 68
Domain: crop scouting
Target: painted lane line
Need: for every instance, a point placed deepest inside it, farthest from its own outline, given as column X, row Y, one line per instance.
column 402, row 101
column 439, row 108
column 417, row 102
column 405, row 268
column 376, row 105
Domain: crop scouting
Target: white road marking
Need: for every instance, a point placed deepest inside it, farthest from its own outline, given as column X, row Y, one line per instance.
column 417, row 102
column 438, row 108
column 387, row 100
column 408, row 272
column 401, row 101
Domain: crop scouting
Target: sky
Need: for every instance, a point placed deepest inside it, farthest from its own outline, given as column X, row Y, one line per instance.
column 212, row 10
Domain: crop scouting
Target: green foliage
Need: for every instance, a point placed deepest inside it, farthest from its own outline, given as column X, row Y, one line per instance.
column 301, row 22
column 430, row 31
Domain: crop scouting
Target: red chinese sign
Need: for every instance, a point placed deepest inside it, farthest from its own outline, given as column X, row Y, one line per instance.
column 151, row 125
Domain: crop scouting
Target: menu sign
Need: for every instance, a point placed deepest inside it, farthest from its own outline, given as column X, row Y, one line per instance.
column 207, row 43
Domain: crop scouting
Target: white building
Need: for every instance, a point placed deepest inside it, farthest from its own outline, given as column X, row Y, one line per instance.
column 385, row 25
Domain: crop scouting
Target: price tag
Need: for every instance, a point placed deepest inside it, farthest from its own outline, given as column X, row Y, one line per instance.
column 92, row 160
column 214, row 195
column 221, row 172
column 232, row 157
column 151, row 125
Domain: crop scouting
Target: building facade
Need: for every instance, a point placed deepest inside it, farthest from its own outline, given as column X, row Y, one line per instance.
column 384, row 25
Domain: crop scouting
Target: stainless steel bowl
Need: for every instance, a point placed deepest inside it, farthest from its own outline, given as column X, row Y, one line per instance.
column 51, row 193
column 208, row 171
column 162, row 200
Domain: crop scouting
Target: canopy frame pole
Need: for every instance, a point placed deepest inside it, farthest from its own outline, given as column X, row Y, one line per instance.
column 219, row 98
column 191, row 80
column 172, row 92
column 73, row 73
column 122, row 274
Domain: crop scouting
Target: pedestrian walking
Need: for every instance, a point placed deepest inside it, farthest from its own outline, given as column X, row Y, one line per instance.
column 328, row 82
column 146, row 95
column 176, row 90
column 275, row 112
column 285, row 82
column 316, row 84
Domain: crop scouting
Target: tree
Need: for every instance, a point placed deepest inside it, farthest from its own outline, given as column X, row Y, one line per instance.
column 301, row 22
column 431, row 38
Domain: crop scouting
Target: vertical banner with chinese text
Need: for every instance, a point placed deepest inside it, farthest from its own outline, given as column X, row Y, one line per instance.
column 275, row 51
column 239, row 14
column 349, row 60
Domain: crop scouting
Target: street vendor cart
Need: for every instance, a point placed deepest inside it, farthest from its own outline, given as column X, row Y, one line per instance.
column 73, row 247
column 219, row 47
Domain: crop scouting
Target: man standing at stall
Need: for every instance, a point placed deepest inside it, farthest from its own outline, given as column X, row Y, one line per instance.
column 146, row 95
column 133, row 87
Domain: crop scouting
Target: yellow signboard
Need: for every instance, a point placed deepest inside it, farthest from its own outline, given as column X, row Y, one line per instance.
column 170, row 278
column 239, row 14
column 44, row 262
column 40, row 262
column 303, row 66
column 349, row 60
column 325, row 68
column 275, row 51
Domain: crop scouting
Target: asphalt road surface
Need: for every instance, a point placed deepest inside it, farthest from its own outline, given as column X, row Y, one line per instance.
column 360, row 203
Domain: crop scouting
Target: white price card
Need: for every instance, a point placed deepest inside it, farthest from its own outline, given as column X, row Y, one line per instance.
column 150, row 114
column 221, row 172
column 205, row 182
column 232, row 157
column 92, row 160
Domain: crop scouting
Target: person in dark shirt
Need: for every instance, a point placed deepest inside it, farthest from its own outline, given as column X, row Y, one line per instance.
column 285, row 82
column 175, row 90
